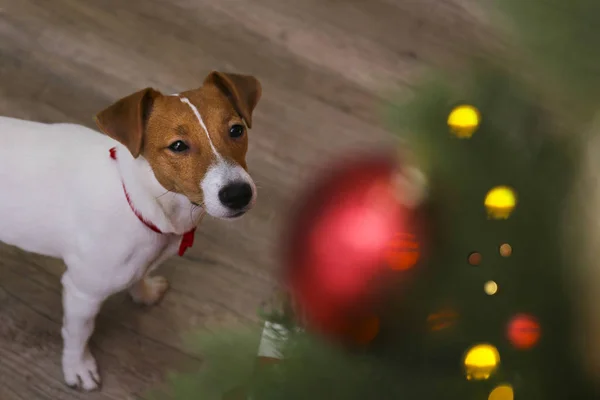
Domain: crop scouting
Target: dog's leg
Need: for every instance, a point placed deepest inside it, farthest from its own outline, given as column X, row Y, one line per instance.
column 149, row 290
column 80, row 310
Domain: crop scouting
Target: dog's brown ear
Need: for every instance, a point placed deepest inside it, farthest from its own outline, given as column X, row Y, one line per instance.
column 126, row 119
column 244, row 91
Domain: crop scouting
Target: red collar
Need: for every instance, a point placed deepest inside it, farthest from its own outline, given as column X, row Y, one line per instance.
column 188, row 238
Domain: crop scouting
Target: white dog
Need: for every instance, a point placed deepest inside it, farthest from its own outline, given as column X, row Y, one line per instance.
column 115, row 206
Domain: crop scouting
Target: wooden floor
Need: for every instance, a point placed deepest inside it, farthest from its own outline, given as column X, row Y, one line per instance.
column 327, row 68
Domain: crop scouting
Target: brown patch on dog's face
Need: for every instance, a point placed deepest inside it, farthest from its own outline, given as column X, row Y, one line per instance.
column 173, row 121
column 185, row 136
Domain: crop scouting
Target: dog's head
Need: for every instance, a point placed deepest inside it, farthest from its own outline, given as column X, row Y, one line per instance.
column 195, row 142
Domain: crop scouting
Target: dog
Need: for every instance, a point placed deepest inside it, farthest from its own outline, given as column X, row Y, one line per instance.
column 115, row 205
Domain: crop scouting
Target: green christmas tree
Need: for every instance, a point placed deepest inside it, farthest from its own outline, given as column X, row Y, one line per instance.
column 499, row 281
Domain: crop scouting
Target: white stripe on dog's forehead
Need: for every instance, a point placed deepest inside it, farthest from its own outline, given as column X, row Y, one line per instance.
column 196, row 112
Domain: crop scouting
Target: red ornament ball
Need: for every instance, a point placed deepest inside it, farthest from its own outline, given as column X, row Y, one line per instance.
column 348, row 231
column 524, row 331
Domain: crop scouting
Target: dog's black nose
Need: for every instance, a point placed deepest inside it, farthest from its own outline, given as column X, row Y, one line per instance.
column 236, row 195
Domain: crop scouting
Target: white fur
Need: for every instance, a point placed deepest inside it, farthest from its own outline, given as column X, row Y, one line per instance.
column 221, row 174
column 196, row 112
column 62, row 196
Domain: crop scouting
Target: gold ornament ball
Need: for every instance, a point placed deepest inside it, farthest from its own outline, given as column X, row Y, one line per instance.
column 502, row 392
column 464, row 121
column 506, row 250
column 481, row 361
column 490, row 288
column 500, row 202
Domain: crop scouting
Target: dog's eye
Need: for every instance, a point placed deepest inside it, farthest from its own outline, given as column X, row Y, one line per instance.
column 178, row 146
column 236, row 131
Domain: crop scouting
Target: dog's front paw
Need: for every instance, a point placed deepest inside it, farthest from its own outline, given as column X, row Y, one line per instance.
column 149, row 290
column 81, row 371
